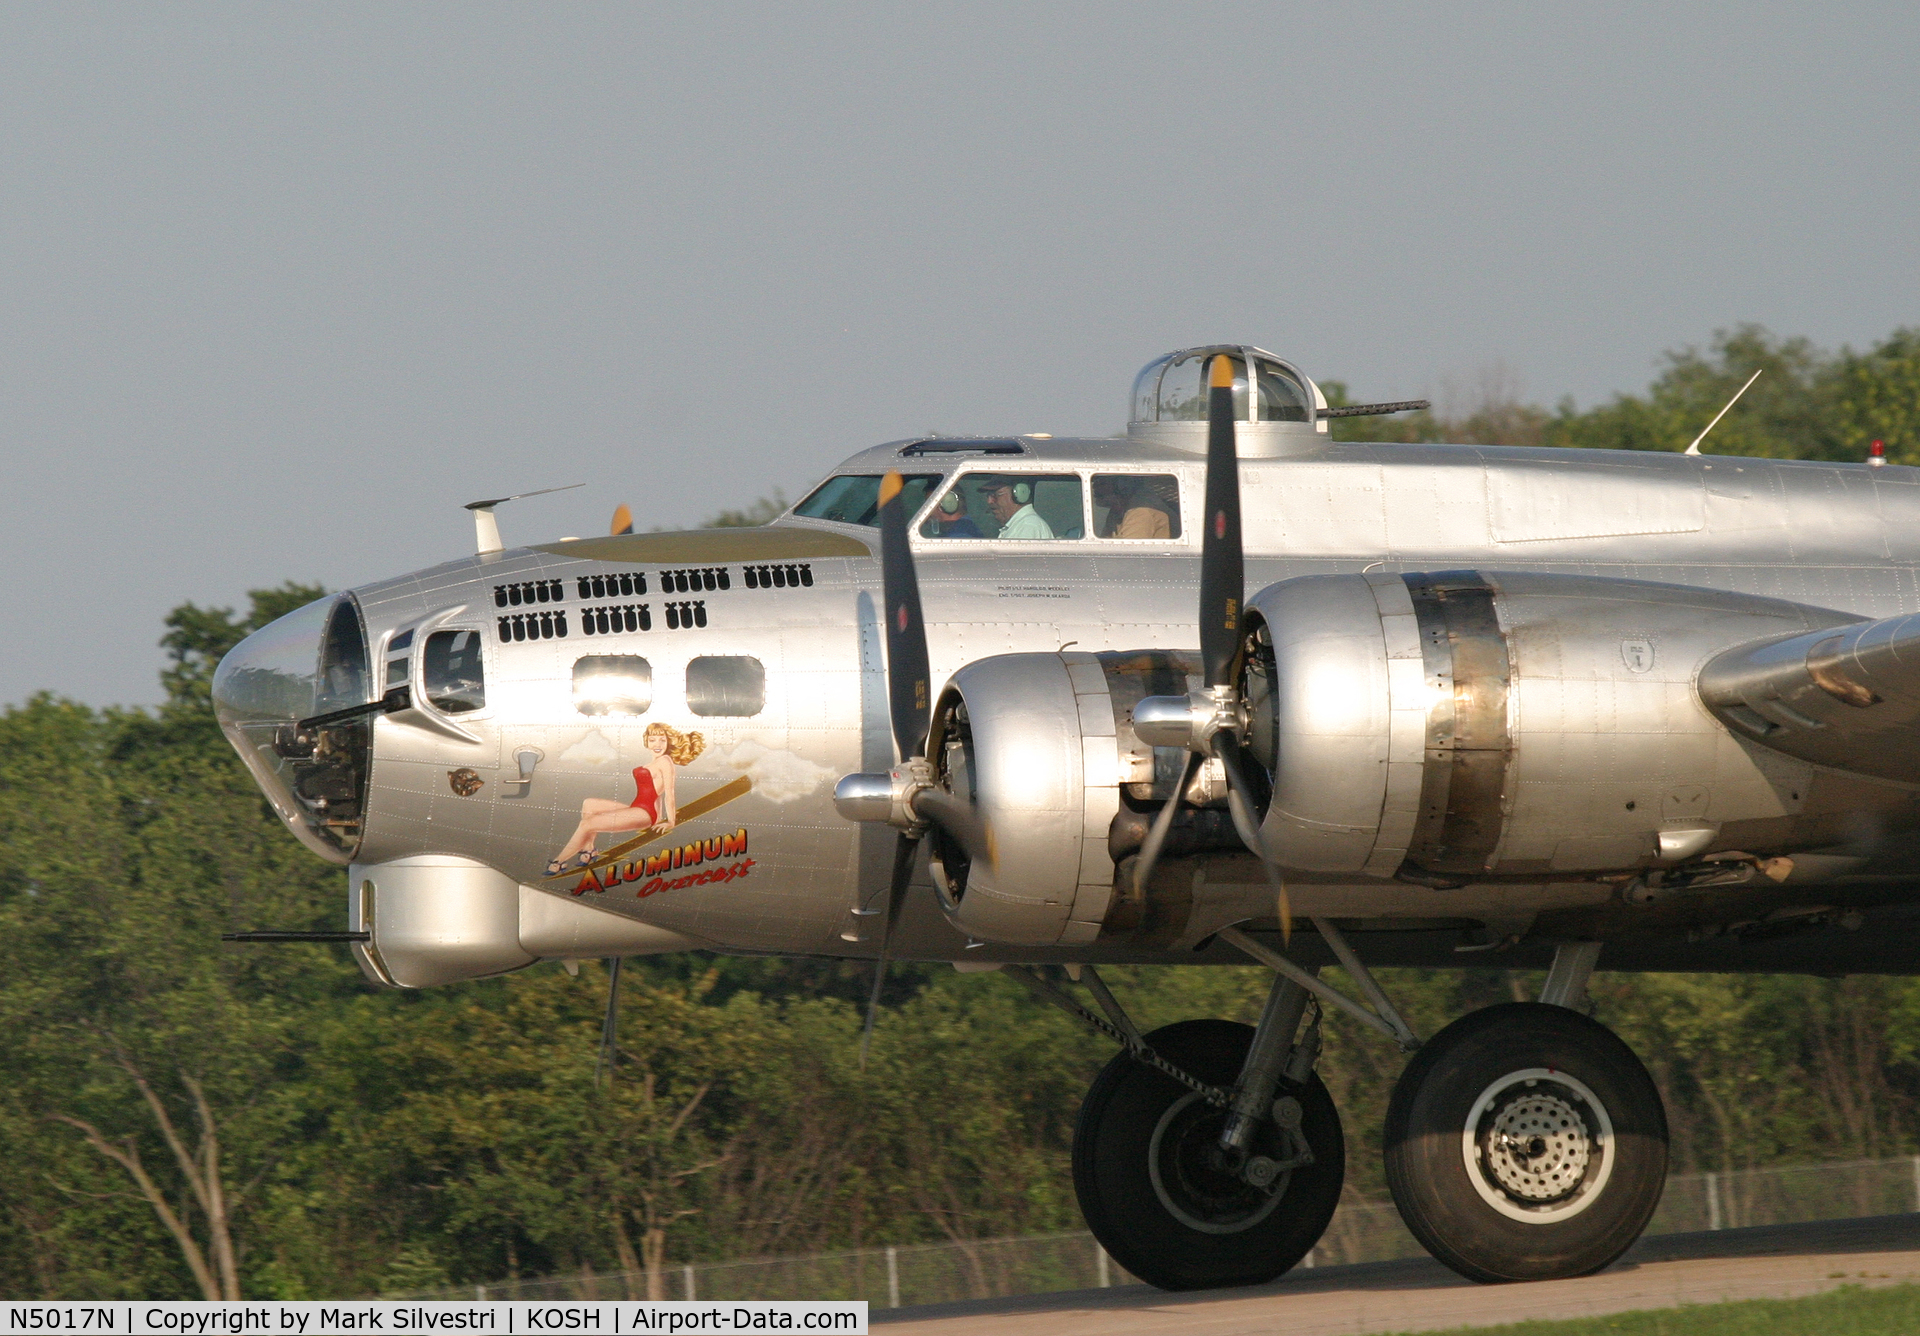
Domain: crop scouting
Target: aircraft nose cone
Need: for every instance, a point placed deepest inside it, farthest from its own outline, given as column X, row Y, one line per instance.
column 309, row 662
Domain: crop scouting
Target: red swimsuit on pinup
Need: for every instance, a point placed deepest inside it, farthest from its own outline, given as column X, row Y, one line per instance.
column 645, row 795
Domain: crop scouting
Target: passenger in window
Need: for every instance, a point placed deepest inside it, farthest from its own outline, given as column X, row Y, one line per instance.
column 654, row 807
column 1010, row 501
column 1134, row 508
column 950, row 518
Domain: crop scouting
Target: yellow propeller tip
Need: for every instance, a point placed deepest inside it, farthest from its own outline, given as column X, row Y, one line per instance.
column 890, row 487
column 622, row 519
column 1222, row 375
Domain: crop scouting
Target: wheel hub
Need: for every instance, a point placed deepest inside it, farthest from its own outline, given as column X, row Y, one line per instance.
column 1199, row 1185
column 1538, row 1145
column 1538, row 1148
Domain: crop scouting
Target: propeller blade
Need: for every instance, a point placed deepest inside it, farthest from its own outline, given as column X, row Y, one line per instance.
column 1223, row 581
column 1162, row 822
column 1240, row 803
column 622, row 520
column 907, row 668
column 903, row 851
column 961, row 821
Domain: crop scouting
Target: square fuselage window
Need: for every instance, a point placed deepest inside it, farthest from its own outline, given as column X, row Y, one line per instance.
column 1136, row 505
column 727, row 684
column 612, row 684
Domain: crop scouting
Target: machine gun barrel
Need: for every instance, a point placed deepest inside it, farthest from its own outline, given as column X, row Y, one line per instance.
column 1374, row 410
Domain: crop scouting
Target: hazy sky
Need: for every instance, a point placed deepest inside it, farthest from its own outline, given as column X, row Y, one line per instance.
column 285, row 285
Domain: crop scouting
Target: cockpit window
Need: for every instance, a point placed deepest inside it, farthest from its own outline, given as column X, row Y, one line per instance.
column 854, row 498
column 1009, row 506
column 1136, row 505
column 612, row 684
column 726, row 685
column 451, row 674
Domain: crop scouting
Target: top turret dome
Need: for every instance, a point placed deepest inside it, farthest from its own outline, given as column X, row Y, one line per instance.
column 1173, row 388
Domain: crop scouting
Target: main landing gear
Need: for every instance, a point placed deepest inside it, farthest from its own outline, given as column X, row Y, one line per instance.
column 1523, row 1142
column 1526, row 1142
column 1173, row 1196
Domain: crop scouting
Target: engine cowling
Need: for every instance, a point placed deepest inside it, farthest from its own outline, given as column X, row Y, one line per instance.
column 1453, row 725
column 1029, row 739
column 1043, row 747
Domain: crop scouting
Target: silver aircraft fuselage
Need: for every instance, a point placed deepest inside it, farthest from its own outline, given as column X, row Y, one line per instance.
column 774, row 868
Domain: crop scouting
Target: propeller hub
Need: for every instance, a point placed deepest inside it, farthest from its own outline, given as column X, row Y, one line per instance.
column 1188, row 721
column 886, row 796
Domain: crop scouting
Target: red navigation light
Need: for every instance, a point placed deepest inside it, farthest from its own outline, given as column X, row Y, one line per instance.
column 1877, row 454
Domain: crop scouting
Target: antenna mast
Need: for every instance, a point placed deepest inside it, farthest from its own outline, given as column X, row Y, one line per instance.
column 1694, row 449
column 486, row 529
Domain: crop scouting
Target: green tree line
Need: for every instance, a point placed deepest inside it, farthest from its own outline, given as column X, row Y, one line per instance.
column 185, row 1118
column 1807, row 404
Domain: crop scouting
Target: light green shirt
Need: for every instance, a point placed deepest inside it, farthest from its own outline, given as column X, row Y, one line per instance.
column 1026, row 523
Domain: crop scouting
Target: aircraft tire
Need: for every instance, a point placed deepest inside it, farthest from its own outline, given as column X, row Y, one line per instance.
column 1152, row 1193
column 1526, row 1142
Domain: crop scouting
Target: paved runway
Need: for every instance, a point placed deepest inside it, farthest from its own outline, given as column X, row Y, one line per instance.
column 1769, row 1262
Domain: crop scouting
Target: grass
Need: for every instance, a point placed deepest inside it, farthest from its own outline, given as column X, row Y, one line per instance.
column 1849, row 1311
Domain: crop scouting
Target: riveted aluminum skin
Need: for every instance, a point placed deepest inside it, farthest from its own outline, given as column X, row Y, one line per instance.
column 1464, row 724
column 1611, row 746
column 1046, row 783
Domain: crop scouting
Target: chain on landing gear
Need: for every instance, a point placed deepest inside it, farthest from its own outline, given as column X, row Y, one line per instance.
column 1209, row 1153
column 1118, row 1029
column 1250, row 1103
column 1187, row 1193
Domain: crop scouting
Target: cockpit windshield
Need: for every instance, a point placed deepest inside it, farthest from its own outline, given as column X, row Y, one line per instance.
column 310, row 662
column 854, row 498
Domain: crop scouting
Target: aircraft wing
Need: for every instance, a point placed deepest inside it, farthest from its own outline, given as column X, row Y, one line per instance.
column 1845, row 696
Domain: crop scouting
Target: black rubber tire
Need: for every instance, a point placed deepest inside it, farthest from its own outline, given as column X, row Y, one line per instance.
column 1113, row 1180
column 1426, row 1159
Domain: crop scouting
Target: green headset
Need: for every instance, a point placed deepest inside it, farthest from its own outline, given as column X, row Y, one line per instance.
column 1022, row 491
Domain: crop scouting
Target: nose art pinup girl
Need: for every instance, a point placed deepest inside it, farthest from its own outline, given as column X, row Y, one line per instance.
column 654, row 807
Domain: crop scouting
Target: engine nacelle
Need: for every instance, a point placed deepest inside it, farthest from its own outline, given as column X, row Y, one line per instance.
column 1439, row 728
column 1043, row 746
column 1451, row 725
column 1030, row 739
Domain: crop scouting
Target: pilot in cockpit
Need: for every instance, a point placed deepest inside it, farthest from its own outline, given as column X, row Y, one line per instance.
column 950, row 518
column 1010, row 501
